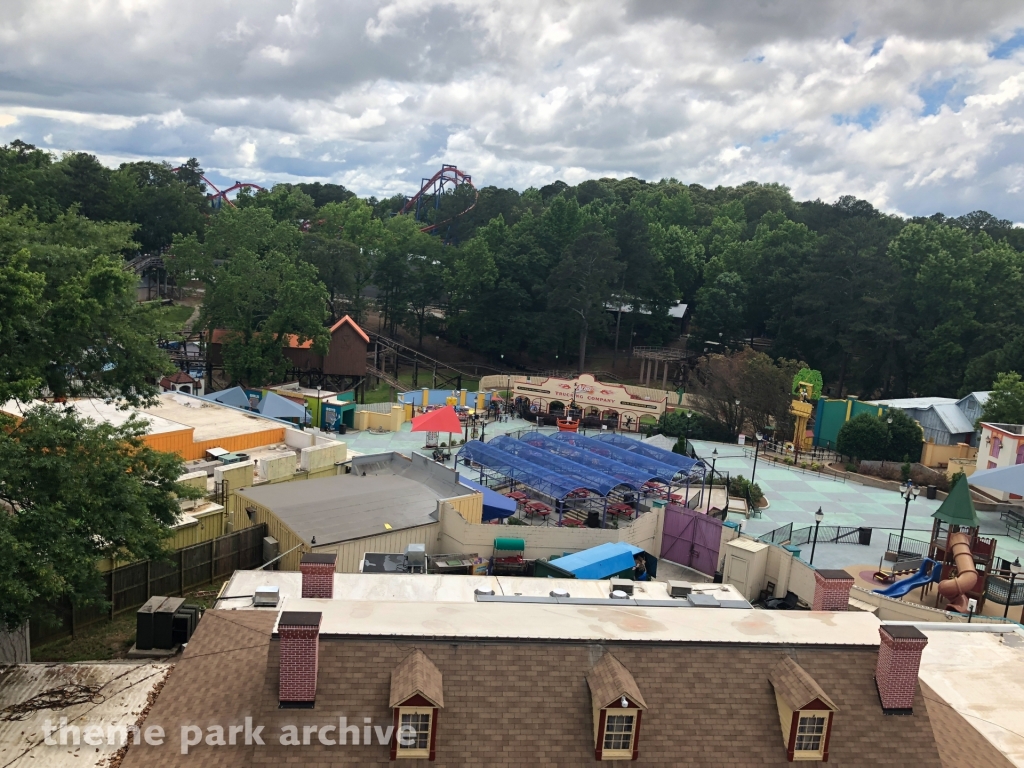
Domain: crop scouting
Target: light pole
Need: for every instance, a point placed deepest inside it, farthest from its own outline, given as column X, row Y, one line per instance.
column 757, row 446
column 686, row 430
column 818, row 517
column 714, row 458
column 739, row 421
column 1015, row 570
column 908, row 492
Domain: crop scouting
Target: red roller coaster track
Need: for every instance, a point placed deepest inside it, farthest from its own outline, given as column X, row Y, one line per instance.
column 222, row 195
column 449, row 175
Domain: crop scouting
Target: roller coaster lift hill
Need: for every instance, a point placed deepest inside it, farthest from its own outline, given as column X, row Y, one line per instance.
column 447, row 179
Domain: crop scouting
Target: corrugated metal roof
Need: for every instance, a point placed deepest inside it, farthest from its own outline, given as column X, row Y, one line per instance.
column 953, row 418
column 124, row 688
column 910, row 403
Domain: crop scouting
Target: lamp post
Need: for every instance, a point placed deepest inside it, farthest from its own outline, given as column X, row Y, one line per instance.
column 1015, row 570
column 739, row 421
column 758, row 437
column 818, row 517
column 908, row 492
column 686, row 430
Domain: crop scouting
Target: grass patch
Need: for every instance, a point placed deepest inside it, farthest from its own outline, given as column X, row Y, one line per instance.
column 107, row 640
column 172, row 318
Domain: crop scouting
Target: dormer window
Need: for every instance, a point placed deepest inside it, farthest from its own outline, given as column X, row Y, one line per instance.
column 416, row 698
column 805, row 712
column 618, row 708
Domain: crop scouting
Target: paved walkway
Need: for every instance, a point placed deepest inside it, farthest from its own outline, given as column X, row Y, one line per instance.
column 794, row 496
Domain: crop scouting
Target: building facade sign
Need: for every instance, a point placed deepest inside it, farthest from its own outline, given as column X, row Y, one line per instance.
column 594, row 397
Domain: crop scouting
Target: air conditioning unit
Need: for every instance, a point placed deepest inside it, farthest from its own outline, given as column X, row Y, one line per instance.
column 622, row 585
column 266, row 597
column 416, row 558
column 679, row 589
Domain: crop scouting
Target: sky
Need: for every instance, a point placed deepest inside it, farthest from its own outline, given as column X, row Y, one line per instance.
column 917, row 107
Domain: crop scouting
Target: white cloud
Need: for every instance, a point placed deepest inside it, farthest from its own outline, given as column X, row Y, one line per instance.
column 902, row 104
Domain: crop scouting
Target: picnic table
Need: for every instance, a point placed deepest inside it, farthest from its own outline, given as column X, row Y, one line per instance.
column 517, row 496
column 538, row 508
column 579, row 493
column 572, row 522
column 621, row 510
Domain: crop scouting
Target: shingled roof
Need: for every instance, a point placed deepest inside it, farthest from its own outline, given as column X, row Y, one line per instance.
column 609, row 681
column 416, row 675
column 796, row 687
column 724, row 694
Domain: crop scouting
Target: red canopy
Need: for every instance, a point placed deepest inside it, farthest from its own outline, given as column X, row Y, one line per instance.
column 442, row 420
column 496, row 396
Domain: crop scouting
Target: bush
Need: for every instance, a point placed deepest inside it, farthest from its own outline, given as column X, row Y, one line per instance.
column 955, row 478
column 851, row 467
column 872, row 438
column 444, row 444
column 742, row 488
column 905, row 470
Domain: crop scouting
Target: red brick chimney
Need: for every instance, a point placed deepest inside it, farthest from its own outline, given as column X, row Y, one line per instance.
column 831, row 590
column 899, row 659
column 299, row 633
column 318, row 574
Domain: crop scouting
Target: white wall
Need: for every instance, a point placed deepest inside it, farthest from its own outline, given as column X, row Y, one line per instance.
column 322, row 456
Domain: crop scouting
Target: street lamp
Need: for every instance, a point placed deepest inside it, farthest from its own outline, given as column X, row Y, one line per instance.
column 686, row 430
column 739, row 421
column 1015, row 570
column 818, row 517
column 758, row 437
column 908, row 492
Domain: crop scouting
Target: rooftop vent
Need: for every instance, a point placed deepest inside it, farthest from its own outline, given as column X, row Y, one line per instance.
column 266, row 597
column 679, row 589
column 559, row 593
column 618, row 594
column 486, row 591
column 622, row 585
column 416, row 558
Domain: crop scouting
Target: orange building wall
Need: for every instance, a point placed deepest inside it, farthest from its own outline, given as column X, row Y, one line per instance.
column 180, row 442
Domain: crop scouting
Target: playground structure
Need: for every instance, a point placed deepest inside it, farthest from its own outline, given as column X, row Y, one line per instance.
column 433, row 189
column 802, row 407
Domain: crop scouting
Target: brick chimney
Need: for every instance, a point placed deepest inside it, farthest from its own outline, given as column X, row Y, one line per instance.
column 299, row 633
column 831, row 590
column 318, row 574
column 899, row 659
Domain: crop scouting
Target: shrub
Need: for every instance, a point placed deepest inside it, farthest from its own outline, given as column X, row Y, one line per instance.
column 905, row 470
column 851, row 467
column 742, row 488
column 444, row 444
column 872, row 438
column 955, row 478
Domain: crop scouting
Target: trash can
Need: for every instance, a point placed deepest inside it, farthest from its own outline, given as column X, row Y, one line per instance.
column 863, row 535
column 930, row 492
column 342, row 428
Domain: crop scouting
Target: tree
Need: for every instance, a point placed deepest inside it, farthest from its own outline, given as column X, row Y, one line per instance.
column 69, row 322
column 872, row 438
column 905, row 439
column 74, row 492
column 581, row 283
column 1005, row 404
column 744, row 387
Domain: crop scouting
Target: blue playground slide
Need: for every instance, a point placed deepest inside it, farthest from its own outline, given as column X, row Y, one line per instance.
column 902, row 587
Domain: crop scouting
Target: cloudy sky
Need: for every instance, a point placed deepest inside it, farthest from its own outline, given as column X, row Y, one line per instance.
column 916, row 106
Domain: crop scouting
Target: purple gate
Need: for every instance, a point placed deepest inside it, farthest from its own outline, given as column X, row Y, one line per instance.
column 691, row 539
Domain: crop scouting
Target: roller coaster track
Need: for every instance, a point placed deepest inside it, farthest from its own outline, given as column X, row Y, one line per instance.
column 448, row 176
column 222, row 194
column 391, row 382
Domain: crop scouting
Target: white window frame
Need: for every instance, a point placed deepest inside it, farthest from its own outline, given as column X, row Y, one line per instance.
column 811, row 754
column 619, row 754
column 417, row 753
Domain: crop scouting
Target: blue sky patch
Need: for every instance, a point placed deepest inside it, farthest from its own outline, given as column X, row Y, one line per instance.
column 937, row 94
column 1007, row 48
column 771, row 138
column 866, row 118
column 849, row 38
column 877, row 47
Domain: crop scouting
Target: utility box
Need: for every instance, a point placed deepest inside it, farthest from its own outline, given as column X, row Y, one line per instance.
column 745, row 564
column 623, row 585
column 163, row 622
column 679, row 588
column 144, row 623
column 416, row 558
column 266, row 597
column 271, row 549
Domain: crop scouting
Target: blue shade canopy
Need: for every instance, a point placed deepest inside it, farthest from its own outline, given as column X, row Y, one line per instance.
column 496, row 506
column 624, row 473
column 540, row 479
column 583, row 477
column 684, row 464
column 235, row 396
column 599, row 562
column 277, row 407
column 663, row 472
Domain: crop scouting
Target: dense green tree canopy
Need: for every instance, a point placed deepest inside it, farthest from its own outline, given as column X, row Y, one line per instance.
column 874, row 438
column 1005, row 404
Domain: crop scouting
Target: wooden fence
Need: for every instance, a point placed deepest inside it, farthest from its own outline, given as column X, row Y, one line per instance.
column 130, row 586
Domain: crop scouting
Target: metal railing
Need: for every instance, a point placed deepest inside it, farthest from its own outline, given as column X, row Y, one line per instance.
column 829, row 534
column 771, row 458
column 781, row 535
column 916, row 549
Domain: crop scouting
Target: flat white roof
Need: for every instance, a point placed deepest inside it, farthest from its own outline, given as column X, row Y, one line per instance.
column 123, row 689
column 588, row 623
column 980, row 674
column 442, row 588
column 913, row 402
column 103, row 412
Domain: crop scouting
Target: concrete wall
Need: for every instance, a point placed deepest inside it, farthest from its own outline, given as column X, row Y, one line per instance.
column 321, row 457
column 889, row 609
column 14, row 646
column 391, row 421
column 458, row 535
column 305, row 438
column 938, row 456
column 194, row 480
column 274, row 469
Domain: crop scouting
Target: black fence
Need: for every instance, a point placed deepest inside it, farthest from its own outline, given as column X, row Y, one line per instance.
column 908, row 549
column 827, row 534
column 779, row 535
column 130, row 586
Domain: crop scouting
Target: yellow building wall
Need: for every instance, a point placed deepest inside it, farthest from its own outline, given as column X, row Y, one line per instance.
column 350, row 553
column 937, row 456
column 391, row 422
column 471, row 507
column 286, row 537
column 180, row 442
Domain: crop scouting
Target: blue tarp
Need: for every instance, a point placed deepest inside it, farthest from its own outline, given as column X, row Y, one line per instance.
column 664, row 472
column 540, row 479
column 277, row 407
column 496, row 506
column 627, row 475
column 581, row 476
column 685, row 464
column 599, row 562
column 235, row 396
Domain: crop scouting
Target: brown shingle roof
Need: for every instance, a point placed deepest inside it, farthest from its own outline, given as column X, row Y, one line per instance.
column 512, row 703
column 960, row 743
column 796, row 687
column 416, row 674
column 609, row 680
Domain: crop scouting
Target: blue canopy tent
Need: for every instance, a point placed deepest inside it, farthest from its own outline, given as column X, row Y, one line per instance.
column 600, row 562
column 685, row 464
column 235, row 397
column 663, row 472
column 623, row 472
column 276, row 407
column 496, row 506
column 545, row 481
column 584, row 477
